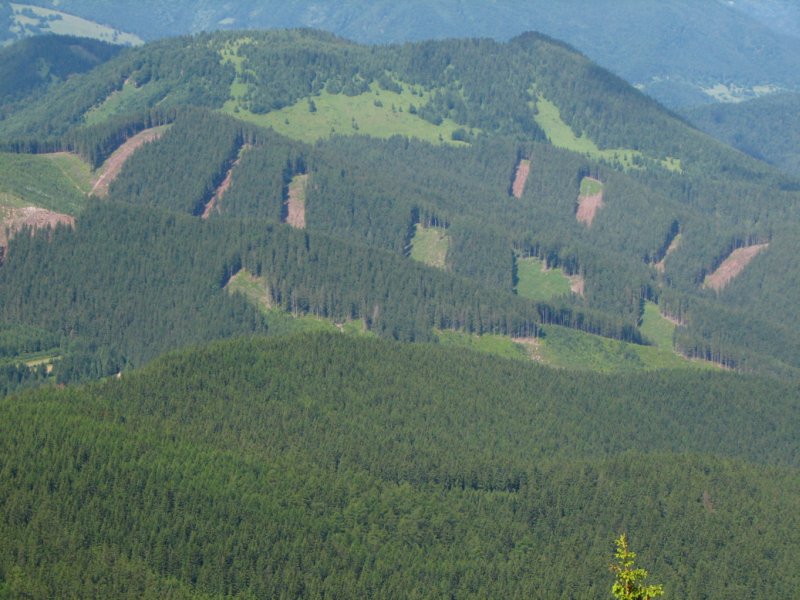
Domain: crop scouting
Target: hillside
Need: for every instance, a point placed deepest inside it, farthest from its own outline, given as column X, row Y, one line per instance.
column 325, row 464
column 766, row 128
column 482, row 108
column 682, row 52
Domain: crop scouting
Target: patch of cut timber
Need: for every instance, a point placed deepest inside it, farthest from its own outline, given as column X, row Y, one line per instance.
column 673, row 245
column 577, row 284
column 732, row 266
column 521, row 177
column 14, row 219
column 532, row 347
column 296, row 202
column 109, row 170
column 589, row 204
column 223, row 187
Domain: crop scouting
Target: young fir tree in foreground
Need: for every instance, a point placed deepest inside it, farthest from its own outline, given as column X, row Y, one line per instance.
column 629, row 583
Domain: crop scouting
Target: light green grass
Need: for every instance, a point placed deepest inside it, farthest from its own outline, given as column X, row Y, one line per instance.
column 538, row 283
column 430, row 245
column 548, row 117
column 254, row 289
column 591, row 187
column 126, row 100
column 370, row 113
column 565, row 348
column 656, row 328
column 571, row 349
column 498, row 345
column 54, row 21
column 55, row 182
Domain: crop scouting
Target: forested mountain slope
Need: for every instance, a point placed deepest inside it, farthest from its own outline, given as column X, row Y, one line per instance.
column 322, row 465
column 673, row 205
column 766, row 128
column 681, row 51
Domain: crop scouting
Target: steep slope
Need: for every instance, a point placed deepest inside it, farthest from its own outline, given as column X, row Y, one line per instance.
column 682, row 52
column 528, row 99
column 329, row 465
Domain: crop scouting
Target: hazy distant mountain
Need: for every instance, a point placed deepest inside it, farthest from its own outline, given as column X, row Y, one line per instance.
column 781, row 15
column 765, row 128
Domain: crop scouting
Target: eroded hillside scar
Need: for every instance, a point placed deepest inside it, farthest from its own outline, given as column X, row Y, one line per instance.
column 114, row 163
column 520, row 178
column 732, row 266
column 296, row 202
column 590, row 200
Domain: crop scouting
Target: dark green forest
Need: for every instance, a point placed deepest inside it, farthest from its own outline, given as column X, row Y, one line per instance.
column 326, row 465
column 144, row 453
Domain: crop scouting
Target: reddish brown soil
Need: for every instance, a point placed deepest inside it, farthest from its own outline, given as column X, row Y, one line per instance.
column 296, row 203
column 113, row 165
column 213, row 204
column 732, row 266
column 14, row 219
column 523, row 170
column 672, row 247
column 588, row 207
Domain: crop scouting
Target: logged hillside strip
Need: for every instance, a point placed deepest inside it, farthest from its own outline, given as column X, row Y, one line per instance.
column 732, row 266
column 520, row 178
column 15, row 219
column 590, row 200
column 113, row 165
column 223, row 187
column 296, row 202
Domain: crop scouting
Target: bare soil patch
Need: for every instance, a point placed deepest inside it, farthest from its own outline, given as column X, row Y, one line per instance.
column 14, row 219
column 521, row 177
column 732, row 266
column 577, row 284
column 296, row 202
column 673, row 245
column 223, row 187
column 532, row 346
column 588, row 206
column 109, row 170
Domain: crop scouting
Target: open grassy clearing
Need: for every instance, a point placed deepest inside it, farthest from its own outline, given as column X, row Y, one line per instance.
column 57, row 182
column 591, row 186
column 45, row 20
column 378, row 113
column 280, row 322
column 657, row 328
column 498, row 345
column 566, row 348
column 131, row 98
column 571, row 349
column 548, row 117
column 537, row 282
column 430, row 245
